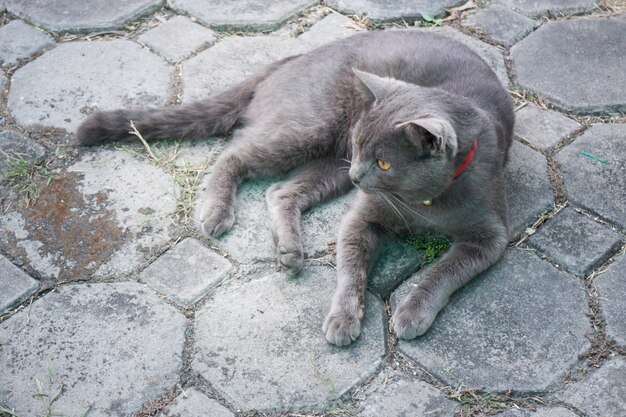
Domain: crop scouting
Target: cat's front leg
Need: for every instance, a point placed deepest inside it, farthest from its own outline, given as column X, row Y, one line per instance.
column 356, row 249
column 467, row 258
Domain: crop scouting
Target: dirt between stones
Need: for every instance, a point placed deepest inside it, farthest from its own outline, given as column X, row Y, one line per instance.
column 77, row 232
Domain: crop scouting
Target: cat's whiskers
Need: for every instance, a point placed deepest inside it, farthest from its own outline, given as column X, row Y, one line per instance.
column 388, row 201
column 411, row 210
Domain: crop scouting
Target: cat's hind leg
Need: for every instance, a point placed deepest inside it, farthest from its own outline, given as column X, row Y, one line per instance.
column 316, row 182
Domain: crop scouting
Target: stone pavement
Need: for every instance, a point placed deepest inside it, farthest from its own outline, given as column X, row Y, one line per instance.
column 111, row 304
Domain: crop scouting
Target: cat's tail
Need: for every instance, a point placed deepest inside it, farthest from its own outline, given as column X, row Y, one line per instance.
column 213, row 116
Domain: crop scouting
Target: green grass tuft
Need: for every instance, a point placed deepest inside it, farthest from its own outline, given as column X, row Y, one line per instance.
column 429, row 245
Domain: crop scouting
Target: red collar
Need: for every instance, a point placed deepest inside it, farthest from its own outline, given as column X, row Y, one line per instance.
column 466, row 161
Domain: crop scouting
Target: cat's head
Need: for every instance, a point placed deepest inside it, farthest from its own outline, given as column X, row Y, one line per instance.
column 404, row 142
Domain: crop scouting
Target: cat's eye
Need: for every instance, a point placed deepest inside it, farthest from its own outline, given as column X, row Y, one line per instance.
column 383, row 165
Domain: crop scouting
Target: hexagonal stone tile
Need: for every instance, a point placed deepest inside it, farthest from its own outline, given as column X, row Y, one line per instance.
column 15, row 146
column 250, row 240
column 595, row 185
column 603, row 393
column 231, row 60
column 186, row 272
column 396, row 261
column 189, row 37
column 502, row 24
column 543, row 128
column 250, row 14
column 536, row 8
column 102, row 217
column 528, row 188
column 64, row 85
column 15, row 285
column 261, row 344
column 70, row 15
column 114, row 346
column 612, row 288
column 332, row 27
column 576, row 242
column 494, row 333
column 540, row 412
column 19, row 41
column 392, row 9
column 560, row 61
column 194, row 403
column 394, row 394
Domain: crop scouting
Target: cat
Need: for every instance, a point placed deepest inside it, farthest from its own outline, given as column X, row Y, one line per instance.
column 417, row 122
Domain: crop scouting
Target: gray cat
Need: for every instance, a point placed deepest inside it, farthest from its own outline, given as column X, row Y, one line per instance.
column 418, row 122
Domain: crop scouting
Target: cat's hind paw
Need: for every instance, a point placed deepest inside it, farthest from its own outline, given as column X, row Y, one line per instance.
column 408, row 322
column 341, row 328
column 290, row 258
column 216, row 220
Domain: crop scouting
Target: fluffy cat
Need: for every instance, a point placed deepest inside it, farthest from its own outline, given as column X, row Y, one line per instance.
column 418, row 122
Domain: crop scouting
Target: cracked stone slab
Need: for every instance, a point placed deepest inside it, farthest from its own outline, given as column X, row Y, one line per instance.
column 576, row 242
column 195, row 403
column 612, row 289
column 603, row 393
column 502, row 24
column 528, row 188
column 540, row 412
column 394, row 394
column 104, row 216
column 251, row 14
column 15, row 285
column 330, row 28
column 597, row 186
column 250, row 239
column 543, row 128
column 14, row 145
column 187, row 272
column 76, row 332
column 189, row 37
column 540, row 8
column 64, row 85
column 70, row 15
column 493, row 334
column 560, row 62
column 261, row 345
column 18, row 41
column 233, row 59
column 392, row 9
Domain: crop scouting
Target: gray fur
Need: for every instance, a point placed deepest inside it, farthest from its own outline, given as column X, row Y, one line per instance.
column 412, row 99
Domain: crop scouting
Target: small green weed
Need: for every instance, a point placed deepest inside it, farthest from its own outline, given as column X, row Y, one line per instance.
column 476, row 402
column 6, row 411
column 429, row 245
column 429, row 19
column 26, row 178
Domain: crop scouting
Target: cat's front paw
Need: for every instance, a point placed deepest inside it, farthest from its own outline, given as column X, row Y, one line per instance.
column 216, row 220
column 410, row 321
column 342, row 328
column 290, row 258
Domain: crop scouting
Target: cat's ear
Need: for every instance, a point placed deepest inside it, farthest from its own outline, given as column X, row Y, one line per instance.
column 433, row 133
column 370, row 86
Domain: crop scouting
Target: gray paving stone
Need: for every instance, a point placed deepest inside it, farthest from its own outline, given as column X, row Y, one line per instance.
column 3, row 82
column 528, row 188
column 115, row 346
column 197, row 154
column 64, row 85
column 332, row 27
column 193, row 403
column 576, row 242
column 393, row 394
column 392, row 9
column 14, row 145
column 18, row 41
column 250, row 240
column 252, row 14
column 540, row 412
column 189, row 37
column 70, row 15
column 261, row 345
column 231, row 60
column 560, row 61
column 494, row 334
column 15, row 285
column 536, row 8
column 397, row 261
column 598, row 186
column 612, row 288
column 102, row 217
column 502, row 24
column 603, row 393
column 187, row 272
column 543, row 128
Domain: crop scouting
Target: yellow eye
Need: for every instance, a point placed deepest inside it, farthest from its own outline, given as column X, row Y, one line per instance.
column 383, row 165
